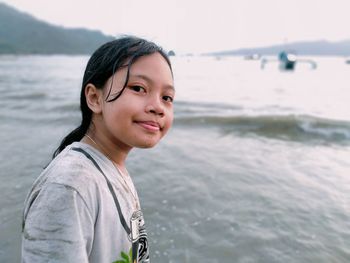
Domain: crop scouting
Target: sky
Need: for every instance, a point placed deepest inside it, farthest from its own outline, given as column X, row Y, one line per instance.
column 197, row 26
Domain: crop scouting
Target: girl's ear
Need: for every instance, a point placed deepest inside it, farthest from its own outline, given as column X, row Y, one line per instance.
column 94, row 98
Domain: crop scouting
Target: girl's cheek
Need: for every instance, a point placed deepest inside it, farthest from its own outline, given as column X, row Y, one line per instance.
column 171, row 121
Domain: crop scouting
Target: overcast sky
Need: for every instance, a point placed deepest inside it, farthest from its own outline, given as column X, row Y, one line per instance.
column 201, row 25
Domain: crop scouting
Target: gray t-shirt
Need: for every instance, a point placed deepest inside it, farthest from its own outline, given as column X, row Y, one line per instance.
column 80, row 210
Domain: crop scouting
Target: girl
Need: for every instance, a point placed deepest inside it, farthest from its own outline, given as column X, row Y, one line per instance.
column 84, row 207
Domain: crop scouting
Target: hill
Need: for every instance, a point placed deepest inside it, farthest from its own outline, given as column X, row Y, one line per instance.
column 311, row 48
column 21, row 33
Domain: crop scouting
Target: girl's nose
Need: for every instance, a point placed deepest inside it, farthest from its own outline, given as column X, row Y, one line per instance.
column 155, row 106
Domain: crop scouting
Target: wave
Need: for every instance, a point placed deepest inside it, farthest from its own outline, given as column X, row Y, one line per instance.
column 32, row 96
column 287, row 127
column 71, row 107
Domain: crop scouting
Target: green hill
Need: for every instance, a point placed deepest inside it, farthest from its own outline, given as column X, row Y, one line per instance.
column 21, row 33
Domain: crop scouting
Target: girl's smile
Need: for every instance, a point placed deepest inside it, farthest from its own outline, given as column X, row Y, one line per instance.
column 149, row 125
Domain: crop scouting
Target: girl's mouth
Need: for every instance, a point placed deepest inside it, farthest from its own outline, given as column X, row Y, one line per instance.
column 149, row 125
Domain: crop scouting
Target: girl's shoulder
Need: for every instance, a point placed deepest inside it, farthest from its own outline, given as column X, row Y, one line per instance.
column 74, row 169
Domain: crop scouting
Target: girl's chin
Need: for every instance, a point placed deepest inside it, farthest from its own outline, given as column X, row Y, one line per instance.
column 146, row 145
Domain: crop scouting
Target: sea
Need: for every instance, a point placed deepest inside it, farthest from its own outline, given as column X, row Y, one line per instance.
column 255, row 169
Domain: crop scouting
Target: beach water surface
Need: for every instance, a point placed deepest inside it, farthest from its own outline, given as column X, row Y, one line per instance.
column 255, row 169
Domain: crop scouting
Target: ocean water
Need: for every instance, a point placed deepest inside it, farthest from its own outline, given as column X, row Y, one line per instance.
column 255, row 169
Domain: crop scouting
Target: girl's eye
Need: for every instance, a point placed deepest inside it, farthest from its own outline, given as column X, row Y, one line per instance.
column 138, row 88
column 168, row 98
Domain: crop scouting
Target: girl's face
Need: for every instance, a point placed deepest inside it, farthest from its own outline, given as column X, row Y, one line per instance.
column 143, row 114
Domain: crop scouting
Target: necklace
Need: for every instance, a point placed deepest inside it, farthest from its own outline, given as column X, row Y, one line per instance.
column 126, row 185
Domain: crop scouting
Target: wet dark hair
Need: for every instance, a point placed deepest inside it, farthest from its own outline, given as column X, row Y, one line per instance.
column 103, row 64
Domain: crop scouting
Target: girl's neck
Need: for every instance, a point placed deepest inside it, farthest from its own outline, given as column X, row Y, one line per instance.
column 109, row 149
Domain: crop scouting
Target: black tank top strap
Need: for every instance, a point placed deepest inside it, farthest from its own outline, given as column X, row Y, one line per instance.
column 110, row 187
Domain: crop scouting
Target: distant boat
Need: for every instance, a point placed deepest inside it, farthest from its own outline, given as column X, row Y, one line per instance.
column 347, row 61
column 288, row 60
column 252, row 57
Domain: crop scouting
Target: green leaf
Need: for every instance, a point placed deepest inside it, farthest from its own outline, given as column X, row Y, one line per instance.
column 125, row 256
column 130, row 253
